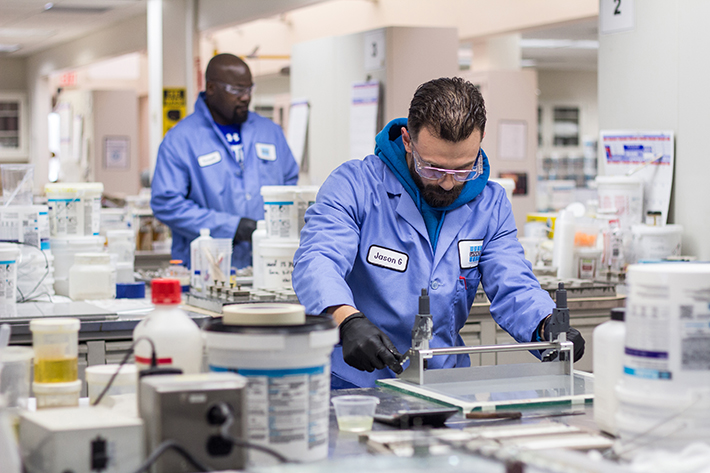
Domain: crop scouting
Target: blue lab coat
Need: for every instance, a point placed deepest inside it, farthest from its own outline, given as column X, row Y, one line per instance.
column 366, row 244
column 199, row 184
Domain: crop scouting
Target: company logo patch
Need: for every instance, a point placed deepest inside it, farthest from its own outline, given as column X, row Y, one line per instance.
column 209, row 159
column 386, row 258
column 265, row 151
column 470, row 253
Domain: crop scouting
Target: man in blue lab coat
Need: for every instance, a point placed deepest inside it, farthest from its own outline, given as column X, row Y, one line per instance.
column 212, row 164
column 420, row 213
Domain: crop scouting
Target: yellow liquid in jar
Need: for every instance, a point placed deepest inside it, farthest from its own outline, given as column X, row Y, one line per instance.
column 355, row 423
column 64, row 370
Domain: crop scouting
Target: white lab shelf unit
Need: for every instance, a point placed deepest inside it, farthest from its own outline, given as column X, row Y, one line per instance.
column 13, row 127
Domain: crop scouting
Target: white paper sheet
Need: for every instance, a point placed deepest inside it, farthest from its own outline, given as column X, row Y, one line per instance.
column 628, row 151
column 512, row 140
column 297, row 129
column 363, row 118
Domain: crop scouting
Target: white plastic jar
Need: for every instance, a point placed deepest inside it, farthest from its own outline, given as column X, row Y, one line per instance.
column 92, row 277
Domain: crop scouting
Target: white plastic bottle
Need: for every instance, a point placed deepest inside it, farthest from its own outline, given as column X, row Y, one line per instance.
column 177, row 339
column 563, row 241
column 256, row 258
column 196, row 267
column 608, row 369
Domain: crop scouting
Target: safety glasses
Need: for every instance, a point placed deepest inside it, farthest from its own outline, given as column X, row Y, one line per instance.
column 235, row 89
column 435, row 174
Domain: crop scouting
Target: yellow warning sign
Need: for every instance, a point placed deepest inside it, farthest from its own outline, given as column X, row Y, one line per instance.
column 174, row 107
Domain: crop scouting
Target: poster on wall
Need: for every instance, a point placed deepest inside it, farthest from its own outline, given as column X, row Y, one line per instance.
column 117, row 152
column 174, row 107
column 364, row 109
column 647, row 155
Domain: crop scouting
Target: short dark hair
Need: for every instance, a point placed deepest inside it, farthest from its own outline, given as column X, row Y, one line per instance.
column 450, row 108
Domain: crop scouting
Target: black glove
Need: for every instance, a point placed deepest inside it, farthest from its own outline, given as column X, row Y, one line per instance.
column 244, row 230
column 573, row 336
column 366, row 347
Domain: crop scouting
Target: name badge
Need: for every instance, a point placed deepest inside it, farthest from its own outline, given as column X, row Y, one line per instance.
column 265, row 151
column 386, row 258
column 470, row 253
column 209, row 159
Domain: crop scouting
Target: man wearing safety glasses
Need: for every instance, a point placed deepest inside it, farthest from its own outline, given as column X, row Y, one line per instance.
column 419, row 213
column 212, row 164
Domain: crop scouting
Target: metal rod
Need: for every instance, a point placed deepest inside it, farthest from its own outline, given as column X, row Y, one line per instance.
column 488, row 348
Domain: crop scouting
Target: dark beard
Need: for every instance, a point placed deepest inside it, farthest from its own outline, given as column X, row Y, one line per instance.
column 239, row 117
column 433, row 194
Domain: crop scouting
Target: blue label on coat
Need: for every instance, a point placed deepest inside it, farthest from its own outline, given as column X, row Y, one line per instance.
column 470, row 253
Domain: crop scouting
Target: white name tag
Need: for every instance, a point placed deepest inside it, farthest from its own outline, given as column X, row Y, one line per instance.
column 209, row 159
column 265, row 151
column 386, row 258
column 470, row 253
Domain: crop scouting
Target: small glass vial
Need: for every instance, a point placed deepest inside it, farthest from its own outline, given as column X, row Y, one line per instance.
column 92, row 277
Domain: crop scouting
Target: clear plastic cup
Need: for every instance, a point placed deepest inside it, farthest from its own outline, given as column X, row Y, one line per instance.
column 17, row 183
column 355, row 413
column 56, row 347
column 15, row 376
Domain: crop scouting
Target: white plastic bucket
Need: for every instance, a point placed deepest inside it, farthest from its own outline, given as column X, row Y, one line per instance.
column 624, row 195
column 277, row 262
column 257, row 262
column 28, row 224
column 281, row 211
column 64, row 250
column 306, row 196
column 35, row 273
column 288, row 392
column 98, row 376
column 656, row 243
column 664, row 394
column 9, row 254
column 74, row 208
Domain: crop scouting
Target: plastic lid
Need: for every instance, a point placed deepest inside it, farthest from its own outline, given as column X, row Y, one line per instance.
column 618, row 313
column 64, row 187
column 264, row 314
column 57, row 388
column 102, row 373
column 92, row 258
column 644, row 229
column 175, row 261
column 15, row 354
column 166, row 291
column 204, row 232
column 132, row 290
column 55, row 324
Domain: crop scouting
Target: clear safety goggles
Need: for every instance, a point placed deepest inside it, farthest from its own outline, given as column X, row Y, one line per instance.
column 433, row 173
column 236, row 89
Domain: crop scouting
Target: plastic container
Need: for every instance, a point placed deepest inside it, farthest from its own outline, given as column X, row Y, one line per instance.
column 196, row 259
column 587, row 262
column 563, row 252
column 215, row 261
column 355, row 413
column 15, row 380
column 74, row 208
column 281, row 211
column 57, row 394
column 305, row 197
column 288, row 368
column 655, row 243
column 176, row 270
column 257, row 260
column 664, row 393
column 98, row 376
column 277, row 257
column 27, row 224
column 9, row 254
column 55, row 342
column 92, row 277
column 17, row 183
column 608, row 367
column 177, row 339
column 64, row 250
column 625, row 195
column 125, row 273
column 123, row 244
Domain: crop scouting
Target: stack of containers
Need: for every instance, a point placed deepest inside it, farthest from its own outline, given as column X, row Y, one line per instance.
column 27, row 226
column 74, row 223
column 284, row 211
column 55, row 342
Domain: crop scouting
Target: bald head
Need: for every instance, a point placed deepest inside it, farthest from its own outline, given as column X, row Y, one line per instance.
column 228, row 89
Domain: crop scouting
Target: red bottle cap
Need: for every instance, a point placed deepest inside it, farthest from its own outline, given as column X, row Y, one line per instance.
column 166, row 291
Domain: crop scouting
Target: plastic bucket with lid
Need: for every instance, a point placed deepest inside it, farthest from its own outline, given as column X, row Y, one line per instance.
column 281, row 211
column 664, row 393
column 9, row 255
column 27, row 224
column 74, row 208
column 64, row 250
column 98, row 376
column 57, row 394
column 288, row 372
column 655, row 243
column 276, row 257
column 623, row 194
column 55, row 341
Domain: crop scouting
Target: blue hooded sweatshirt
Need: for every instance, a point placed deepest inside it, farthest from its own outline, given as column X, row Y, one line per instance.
column 390, row 149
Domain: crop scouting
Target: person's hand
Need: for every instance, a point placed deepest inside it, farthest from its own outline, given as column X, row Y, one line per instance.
column 366, row 347
column 244, row 230
column 573, row 336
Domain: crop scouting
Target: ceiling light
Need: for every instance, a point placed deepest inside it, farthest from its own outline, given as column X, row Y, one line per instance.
column 9, row 48
column 52, row 8
column 558, row 44
column 25, row 32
